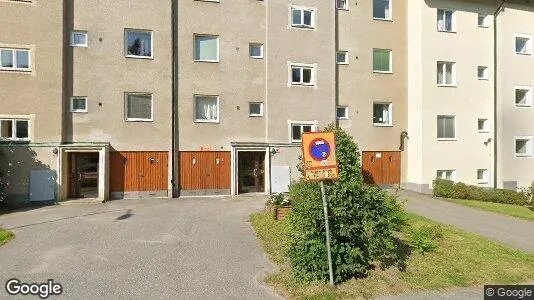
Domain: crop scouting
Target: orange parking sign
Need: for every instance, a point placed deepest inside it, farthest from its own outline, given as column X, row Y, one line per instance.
column 319, row 155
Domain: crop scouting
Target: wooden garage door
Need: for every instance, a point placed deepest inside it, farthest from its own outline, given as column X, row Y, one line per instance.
column 138, row 171
column 381, row 167
column 205, row 170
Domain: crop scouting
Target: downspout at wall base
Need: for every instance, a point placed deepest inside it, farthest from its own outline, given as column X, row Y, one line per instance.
column 174, row 101
column 495, row 95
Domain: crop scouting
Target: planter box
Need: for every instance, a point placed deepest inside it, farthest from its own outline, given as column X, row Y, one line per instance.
column 281, row 212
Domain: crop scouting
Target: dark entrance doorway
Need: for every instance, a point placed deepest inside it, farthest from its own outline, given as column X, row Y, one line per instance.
column 83, row 174
column 251, row 172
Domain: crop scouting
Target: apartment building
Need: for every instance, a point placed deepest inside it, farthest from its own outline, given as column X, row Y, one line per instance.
column 164, row 98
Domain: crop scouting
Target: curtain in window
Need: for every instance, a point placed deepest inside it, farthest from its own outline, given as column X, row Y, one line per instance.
column 387, row 14
column 381, row 114
column 448, row 20
column 381, row 60
column 440, row 73
column 448, row 73
column 381, row 9
column 446, row 127
column 206, row 108
column 139, row 107
column 206, row 48
column 139, row 43
column 441, row 20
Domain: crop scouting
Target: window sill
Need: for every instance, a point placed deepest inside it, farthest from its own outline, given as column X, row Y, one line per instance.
column 206, row 61
column 302, row 84
column 483, row 26
column 79, row 111
column 140, row 57
column 343, row 119
column 523, row 54
column 342, row 63
column 447, row 85
column 342, row 8
column 383, row 19
column 485, row 79
column 79, row 46
column 483, row 131
column 523, row 105
column 256, row 57
column 302, row 26
column 14, row 70
column 206, row 122
column 382, row 72
column 18, row 141
column 447, row 139
column 255, row 116
column 523, row 156
column 382, row 125
column 139, row 120
column 447, row 31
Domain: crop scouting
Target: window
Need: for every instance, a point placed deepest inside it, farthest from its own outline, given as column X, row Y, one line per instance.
column 342, row 4
column 302, row 75
column 446, row 73
column 207, row 48
column 14, row 129
column 382, row 9
column 78, row 104
column 483, row 20
column 138, row 107
column 342, row 57
column 382, row 60
column 523, row 96
column 78, row 39
column 523, row 45
column 15, row 59
column 382, row 114
column 523, row 146
column 446, row 174
column 482, row 73
column 302, row 17
column 446, row 20
column 206, row 109
column 483, row 125
column 482, row 175
column 255, row 109
column 138, row 43
column 297, row 128
column 256, row 50
column 342, row 112
column 446, row 128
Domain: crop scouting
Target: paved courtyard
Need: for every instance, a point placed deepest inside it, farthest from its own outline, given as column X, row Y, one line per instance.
column 195, row 248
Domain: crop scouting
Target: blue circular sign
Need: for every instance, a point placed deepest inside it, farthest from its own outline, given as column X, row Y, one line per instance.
column 320, row 149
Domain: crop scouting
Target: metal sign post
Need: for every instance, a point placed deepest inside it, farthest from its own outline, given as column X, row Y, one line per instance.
column 327, row 227
column 320, row 164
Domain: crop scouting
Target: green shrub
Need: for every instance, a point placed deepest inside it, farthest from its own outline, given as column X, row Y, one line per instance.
column 448, row 189
column 424, row 238
column 362, row 221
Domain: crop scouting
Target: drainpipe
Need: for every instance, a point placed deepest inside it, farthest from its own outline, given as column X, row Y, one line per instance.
column 174, row 101
column 495, row 93
column 336, row 78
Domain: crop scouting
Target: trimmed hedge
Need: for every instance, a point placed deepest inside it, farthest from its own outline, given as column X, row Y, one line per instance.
column 449, row 189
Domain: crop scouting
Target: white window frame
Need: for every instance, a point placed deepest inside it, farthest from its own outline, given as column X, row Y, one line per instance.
column 485, row 176
column 126, row 31
column 390, row 112
column 78, row 110
column 14, row 53
column 250, row 46
column 14, row 128
column 485, row 75
column 302, row 9
column 530, row 146
column 345, row 5
column 195, row 45
column 529, row 95
column 313, row 79
column 529, row 44
column 290, row 124
column 346, row 112
column 485, row 128
column 215, row 121
column 444, row 71
column 390, row 61
column 455, row 138
column 453, row 20
column 127, row 119
column 443, row 174
column 73, row 33
column 255, row 115
column 485, row 21
column 390, row 12
column 345, row 55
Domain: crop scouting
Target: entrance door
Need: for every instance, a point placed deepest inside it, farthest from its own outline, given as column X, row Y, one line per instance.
column 381, row 167
column 83, row 174
column 251, row 172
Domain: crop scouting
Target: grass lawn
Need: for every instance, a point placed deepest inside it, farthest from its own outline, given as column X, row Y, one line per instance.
column 506, row 209
column 5, row 236
column 462, row 259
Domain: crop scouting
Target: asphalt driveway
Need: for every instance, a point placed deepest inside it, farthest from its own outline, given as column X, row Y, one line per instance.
column 196, row 248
